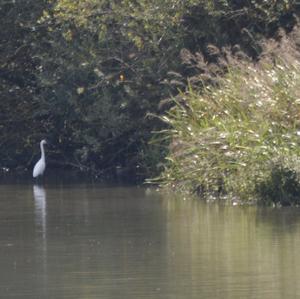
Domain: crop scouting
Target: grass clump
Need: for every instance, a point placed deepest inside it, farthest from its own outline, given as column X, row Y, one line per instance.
column 225, row 139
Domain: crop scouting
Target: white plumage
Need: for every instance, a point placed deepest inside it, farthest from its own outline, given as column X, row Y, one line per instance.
column 40, row 166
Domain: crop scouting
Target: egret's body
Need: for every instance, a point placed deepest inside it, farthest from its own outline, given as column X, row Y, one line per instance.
column 40, row 166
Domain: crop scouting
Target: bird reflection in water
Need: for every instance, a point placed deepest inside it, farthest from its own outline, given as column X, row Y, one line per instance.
column 40, row 203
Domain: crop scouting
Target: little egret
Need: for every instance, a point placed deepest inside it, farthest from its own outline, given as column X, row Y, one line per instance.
column 40, row 165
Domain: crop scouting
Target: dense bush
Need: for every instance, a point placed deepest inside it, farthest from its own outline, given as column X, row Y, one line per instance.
column 18, row 87
column 225, row 139
column 281, row 186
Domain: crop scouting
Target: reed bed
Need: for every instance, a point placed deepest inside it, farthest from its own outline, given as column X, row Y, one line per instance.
column 239, row 139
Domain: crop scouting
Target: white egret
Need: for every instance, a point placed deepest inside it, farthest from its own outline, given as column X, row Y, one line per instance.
column 40, row 166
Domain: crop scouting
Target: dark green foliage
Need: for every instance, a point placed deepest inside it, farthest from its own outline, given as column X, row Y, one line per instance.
column 85, row 74
column 18, row 63
column 281, row 187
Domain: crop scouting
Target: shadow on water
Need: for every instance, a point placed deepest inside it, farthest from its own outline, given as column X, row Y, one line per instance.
column 64, row 178
column 279, row 220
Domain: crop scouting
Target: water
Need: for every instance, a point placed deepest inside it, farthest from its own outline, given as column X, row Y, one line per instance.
column 90, row 241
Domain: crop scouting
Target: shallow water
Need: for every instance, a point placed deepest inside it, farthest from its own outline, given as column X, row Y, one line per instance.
column 92, row 241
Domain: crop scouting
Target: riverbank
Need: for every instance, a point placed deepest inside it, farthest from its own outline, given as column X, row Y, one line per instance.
column 87, row 77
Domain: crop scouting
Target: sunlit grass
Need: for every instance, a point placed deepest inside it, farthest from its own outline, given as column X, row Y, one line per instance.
column 227, row 140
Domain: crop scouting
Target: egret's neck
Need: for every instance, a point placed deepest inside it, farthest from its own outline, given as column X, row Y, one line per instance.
column 42, row 152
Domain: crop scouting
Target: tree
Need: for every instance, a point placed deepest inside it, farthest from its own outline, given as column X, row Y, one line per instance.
column 18, row 45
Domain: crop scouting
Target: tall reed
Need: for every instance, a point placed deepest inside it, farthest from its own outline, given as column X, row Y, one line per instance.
column 228, row 139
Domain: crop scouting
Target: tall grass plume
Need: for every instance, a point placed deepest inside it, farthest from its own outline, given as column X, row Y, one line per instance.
column 230, row 140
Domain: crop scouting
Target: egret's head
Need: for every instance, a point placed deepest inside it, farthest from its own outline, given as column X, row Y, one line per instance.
column 43, row 142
